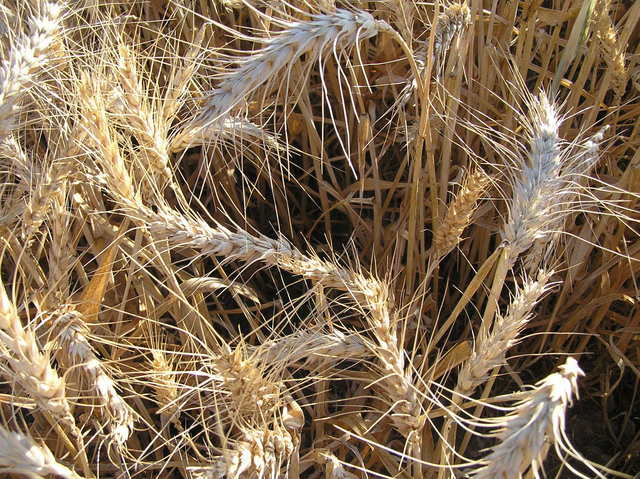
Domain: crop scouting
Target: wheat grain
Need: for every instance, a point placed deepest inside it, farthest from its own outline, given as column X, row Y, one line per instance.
column 260, row 454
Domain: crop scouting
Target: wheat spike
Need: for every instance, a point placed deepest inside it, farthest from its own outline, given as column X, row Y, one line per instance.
column 537, row 418
column 76, row 352
column 459, row 213
column 20, row 454
column 489, row 351
column 338, row 29
column 28, row 55
column 142, row 121
column 30, row 367
column 455, row 18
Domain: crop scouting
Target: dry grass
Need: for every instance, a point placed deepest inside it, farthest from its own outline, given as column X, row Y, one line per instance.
column 254, row 239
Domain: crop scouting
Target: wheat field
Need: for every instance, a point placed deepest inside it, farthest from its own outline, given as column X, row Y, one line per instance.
column 320, row 239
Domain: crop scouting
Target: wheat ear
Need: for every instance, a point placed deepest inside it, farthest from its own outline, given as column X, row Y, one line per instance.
column 459, row 213
column 181, row 75
column 371, row 294
column 27, row 56
column 454, row 20
column 208, row 284
column 30, row 366
column 613, row 50
column 229, row 129
column 164, row 385
column 94, row 120
column 538, row 418
column 539, row 187
column 262, row 453
column 312, row 349
column 141, row 120
column 536, row 202
column 19, row 454
column 489, row 351
column 41, row 197
column 336, row 30
column 76, row 352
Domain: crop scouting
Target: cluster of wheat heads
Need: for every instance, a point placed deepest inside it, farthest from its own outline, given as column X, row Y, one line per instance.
column 263, row 239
